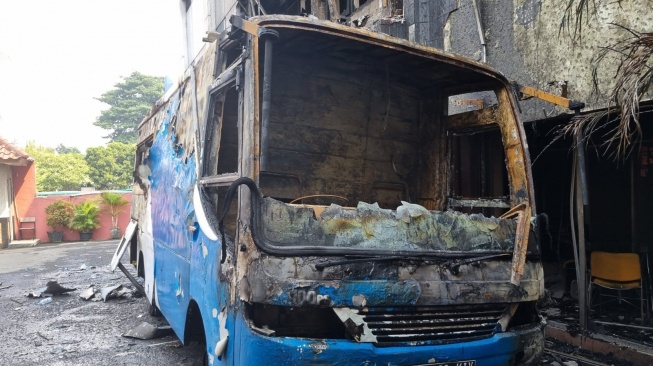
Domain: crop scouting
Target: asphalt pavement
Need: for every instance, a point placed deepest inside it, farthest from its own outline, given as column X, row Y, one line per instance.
column 68, row 330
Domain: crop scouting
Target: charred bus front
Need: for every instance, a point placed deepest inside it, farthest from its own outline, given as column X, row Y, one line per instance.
column 317, row 194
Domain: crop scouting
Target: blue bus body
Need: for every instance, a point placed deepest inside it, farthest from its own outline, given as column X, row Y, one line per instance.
column 311, row 205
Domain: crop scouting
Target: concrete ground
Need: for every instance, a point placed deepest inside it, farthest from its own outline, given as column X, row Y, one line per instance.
column 70, row 330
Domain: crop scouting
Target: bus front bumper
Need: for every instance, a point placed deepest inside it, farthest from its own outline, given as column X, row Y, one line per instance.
column 520, row 346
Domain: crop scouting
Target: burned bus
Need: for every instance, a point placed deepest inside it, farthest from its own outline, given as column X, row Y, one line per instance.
column 312, row 193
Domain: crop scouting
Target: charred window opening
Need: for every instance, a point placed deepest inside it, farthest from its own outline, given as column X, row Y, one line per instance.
column 479, row 175
column 303, row 322
column 228, row 153
column 228, row 52
column 142, row 171
column 478, row 181
column 221, row 149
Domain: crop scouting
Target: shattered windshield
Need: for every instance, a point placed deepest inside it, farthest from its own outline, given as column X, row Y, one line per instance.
column 409, row 228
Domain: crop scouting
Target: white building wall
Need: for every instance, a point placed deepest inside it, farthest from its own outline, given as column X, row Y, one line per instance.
column 202, row 16
column 5, row 185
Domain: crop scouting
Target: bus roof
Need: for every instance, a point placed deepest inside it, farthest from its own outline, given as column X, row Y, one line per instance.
column 364, row 35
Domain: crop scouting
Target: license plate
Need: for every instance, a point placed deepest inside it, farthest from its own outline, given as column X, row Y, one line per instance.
column 451, row 363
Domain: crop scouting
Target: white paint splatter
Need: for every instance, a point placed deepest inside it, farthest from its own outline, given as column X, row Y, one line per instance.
column 222, row 323
column 215, row 312
column 221, row 346
column 359, row 300
column 180, row 291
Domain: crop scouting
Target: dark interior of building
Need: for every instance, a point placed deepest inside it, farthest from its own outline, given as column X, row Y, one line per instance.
column 617, row 218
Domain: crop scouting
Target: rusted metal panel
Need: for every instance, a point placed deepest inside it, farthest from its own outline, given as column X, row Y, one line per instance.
column 250, row 147
column 519, row 173
column 245, row 25
column 472, row 120
column 548, row 97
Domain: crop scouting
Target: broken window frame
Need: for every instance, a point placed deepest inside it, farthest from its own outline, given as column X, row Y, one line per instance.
column 480, row 120
column 212, row 140
column 456, row 200
column 211, row 182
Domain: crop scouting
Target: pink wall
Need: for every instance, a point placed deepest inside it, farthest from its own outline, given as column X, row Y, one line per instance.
column 37, row 210
column 24, row 179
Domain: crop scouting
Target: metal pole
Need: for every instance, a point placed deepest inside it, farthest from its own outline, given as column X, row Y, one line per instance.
column 265, row 104
column 479, row 25
column 132, row 279
column 580, row 215
column 582, row 165
column 582, row 258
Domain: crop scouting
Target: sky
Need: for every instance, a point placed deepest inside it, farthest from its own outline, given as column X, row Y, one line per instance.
column 57, row 56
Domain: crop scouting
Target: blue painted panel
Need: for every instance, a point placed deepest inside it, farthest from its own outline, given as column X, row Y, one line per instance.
column 172, row 181
column 211, row 294
column 186, row 263
column 172, row 290
column 256, row 349
column 344, row 293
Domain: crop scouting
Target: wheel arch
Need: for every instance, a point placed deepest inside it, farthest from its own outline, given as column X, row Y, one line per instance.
column 194, row 327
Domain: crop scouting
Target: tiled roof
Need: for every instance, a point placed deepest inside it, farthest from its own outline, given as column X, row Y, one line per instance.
column 10, row 154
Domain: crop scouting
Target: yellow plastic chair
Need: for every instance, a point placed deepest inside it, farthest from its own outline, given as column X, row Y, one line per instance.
column 618, row 272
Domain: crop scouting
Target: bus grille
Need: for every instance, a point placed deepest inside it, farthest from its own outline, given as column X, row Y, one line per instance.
column 433, row 325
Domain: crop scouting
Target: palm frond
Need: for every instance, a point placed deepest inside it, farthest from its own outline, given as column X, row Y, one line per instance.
column 633, row 79
column 575, row 12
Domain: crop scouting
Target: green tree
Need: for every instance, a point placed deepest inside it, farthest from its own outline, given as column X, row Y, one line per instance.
column 113, row 202
column 111, row 167
column 129, row 102
column 57, row 172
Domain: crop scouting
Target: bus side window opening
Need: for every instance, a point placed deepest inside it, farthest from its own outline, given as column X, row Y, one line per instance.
column 221, row 152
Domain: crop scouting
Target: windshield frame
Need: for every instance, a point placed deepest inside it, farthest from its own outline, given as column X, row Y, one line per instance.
column 511, row 130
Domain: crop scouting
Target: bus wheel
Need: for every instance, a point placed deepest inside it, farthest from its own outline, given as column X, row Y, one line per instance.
column 152, row 309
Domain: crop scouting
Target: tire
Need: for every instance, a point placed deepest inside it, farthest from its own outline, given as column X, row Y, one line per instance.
column 152, row 309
